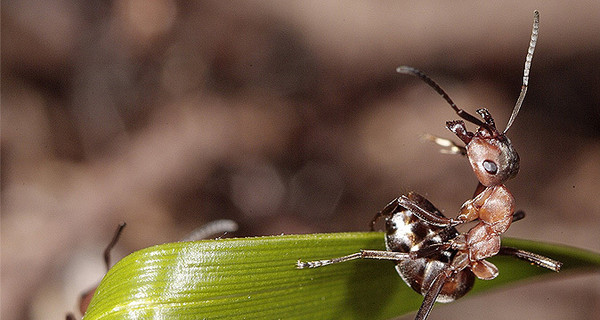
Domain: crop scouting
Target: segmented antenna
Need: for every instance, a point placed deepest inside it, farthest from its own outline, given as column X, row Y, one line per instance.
column 462, row 113
column 532, row 42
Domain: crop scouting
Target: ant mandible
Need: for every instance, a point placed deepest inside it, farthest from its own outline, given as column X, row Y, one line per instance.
column 431, row 256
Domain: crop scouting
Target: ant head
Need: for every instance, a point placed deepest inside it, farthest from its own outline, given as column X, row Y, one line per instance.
column 494, row 160
column 490, row 152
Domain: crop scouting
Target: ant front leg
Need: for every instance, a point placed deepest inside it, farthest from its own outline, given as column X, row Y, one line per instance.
column 448, row 146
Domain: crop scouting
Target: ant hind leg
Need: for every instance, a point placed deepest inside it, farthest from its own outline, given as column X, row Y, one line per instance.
column 385, row 212
column 425, row 215
column 363, row 254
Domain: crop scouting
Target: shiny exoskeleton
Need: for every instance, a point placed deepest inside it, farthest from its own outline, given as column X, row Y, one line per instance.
column 431, row 256
column 494, row 160
column 424, row 255
column 406, row 233
column 429, row 251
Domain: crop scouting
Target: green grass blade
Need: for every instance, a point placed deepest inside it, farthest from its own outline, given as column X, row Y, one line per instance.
column 256, row 278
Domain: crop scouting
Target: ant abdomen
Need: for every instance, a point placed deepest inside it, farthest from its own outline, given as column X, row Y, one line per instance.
column 406, row 233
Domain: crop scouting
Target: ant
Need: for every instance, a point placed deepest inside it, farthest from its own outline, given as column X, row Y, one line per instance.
column 431, row 256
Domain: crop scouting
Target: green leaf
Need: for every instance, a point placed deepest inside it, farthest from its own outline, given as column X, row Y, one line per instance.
column 256, row 278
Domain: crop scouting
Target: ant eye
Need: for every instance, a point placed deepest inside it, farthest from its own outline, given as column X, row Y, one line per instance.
column 490, row 167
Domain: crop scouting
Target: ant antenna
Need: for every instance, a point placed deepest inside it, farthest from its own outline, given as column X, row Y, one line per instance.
column 462, row 113
column 532, row 42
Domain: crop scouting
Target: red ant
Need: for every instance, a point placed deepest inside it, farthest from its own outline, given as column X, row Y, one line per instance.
column 431, row 256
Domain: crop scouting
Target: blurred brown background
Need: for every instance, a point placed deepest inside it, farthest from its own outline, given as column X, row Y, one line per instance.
column 288, row 117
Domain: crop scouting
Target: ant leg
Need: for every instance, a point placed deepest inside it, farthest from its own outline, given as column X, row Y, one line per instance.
column 448, row 146
column 426, row 215
column 363, row 254
column 534, row 258
column 519, row 215
column 430, row 250
column 112, row 243
column 432, row 294
column 387, row 211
